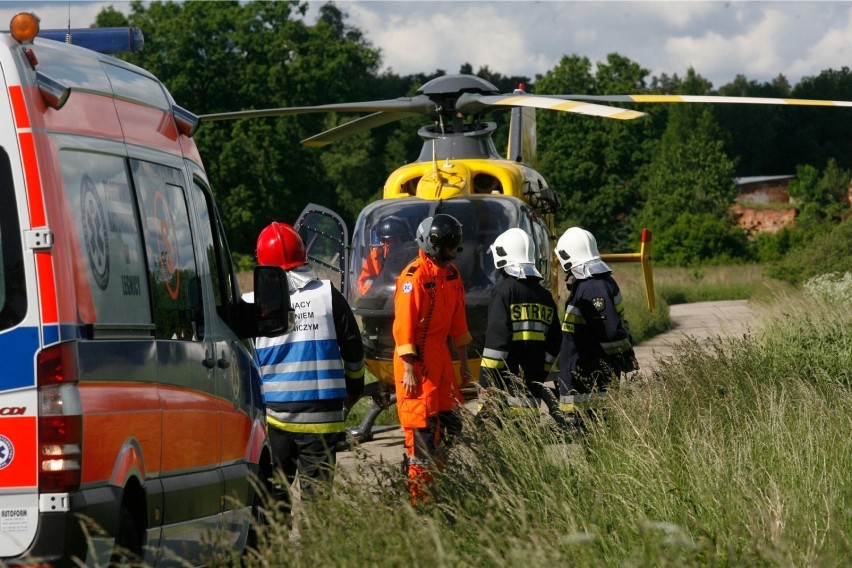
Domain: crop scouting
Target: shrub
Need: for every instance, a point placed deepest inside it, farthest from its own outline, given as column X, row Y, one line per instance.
column 826, row 252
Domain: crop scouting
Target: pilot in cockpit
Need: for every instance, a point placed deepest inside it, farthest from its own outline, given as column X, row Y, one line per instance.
column 391, row 234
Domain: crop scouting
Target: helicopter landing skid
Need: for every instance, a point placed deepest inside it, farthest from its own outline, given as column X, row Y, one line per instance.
column 379, row 402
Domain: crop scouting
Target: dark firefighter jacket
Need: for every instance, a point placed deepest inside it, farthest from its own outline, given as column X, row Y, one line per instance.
column 523, row 335
column 596, row 343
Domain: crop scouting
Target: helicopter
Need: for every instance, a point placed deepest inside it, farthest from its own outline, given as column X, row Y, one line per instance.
column 460, row 172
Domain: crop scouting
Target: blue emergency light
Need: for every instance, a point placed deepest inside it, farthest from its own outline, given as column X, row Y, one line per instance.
column 102, row 40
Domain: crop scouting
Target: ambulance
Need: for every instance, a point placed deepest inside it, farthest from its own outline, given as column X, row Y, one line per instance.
column 131, row 419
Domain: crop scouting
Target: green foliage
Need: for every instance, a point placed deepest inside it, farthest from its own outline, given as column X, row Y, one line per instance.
column 821, row 134
column 261, row 55
column 822, row 195
column 754, row 129
column 591, row 163
column 688, row 188
column 826, row 252
column 699, row 238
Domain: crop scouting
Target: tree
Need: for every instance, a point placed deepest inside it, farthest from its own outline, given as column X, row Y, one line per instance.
column 591, row 161
column 689, row 187
column 755, row 131
column 227, row 56
column 818, row 134
column 820, row 196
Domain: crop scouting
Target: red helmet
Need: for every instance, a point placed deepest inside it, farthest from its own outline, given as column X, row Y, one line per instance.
column 279, row 244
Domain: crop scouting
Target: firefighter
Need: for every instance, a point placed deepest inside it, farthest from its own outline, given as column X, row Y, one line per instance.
column 310, row 374
column 596, row 344
column 429, row 310
column 390, row 233
column 523, row 336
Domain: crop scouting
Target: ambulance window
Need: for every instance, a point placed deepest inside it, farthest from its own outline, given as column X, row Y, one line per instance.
column 13, row 297
column 128, row 84
column 173, row 272
column 215, row 248
column 111, row 282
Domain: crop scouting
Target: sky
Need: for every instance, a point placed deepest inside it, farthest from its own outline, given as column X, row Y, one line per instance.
column 718, row 39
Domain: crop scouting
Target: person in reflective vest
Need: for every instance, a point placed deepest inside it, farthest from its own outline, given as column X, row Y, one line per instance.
column 310, row 374
column 596, row 344
column 523, row 336
column 429, row 311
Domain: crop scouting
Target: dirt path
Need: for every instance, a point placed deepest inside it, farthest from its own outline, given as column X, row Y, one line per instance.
column 701, row 321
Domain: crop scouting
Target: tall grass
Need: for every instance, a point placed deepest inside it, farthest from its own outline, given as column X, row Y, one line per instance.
column 736, row 455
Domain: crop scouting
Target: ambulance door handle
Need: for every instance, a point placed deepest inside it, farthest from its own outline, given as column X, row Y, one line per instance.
column 223, row 362
column 209, row 360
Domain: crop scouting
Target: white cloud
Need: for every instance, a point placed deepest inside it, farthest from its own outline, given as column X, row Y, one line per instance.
column 832, row 51
column 752, row 52
column 719, row 39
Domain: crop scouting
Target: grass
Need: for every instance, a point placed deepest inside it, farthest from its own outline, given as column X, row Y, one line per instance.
column 734, row 455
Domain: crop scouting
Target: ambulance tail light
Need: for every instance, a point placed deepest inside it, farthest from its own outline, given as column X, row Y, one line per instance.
column 60, row 423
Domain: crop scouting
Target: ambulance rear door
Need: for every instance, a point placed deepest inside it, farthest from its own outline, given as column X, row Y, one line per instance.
column 19, row 331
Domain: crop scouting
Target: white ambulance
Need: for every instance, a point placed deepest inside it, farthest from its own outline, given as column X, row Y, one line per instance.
column 131, row 418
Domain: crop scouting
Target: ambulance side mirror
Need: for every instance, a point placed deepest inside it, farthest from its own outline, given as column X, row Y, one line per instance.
column 273, row 314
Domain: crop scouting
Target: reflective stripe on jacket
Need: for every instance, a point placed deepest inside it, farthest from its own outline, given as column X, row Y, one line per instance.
column 523, row 337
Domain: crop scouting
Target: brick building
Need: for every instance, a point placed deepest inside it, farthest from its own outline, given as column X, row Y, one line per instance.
column 764, row 204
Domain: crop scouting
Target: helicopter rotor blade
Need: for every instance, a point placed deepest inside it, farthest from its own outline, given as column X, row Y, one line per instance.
column 471, row 102
column 354, row 127
column 709, row 99
column 419, row 104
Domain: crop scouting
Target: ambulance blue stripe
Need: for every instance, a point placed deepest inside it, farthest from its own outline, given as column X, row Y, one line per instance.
column 18, row 346
column 51, row 334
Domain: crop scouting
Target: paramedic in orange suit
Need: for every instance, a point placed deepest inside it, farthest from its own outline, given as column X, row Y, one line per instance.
column 429, row 309
column 389, row 233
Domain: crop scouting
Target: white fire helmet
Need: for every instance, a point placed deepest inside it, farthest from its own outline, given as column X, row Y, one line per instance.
column 577, row 251
column 514, row 252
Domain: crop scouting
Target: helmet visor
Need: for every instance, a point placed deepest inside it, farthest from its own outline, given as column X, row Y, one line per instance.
column 450, row 241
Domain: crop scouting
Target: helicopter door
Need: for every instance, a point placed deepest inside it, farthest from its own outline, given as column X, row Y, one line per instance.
column 326, row 238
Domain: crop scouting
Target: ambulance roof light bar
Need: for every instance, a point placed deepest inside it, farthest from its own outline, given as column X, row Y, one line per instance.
column 102, row 40
column 25, row 27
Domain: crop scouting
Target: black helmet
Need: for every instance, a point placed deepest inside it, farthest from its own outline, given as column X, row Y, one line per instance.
column 437, row 233
column 392, row 228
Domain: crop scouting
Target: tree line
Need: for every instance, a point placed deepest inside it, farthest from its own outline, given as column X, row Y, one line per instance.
column 672, row 171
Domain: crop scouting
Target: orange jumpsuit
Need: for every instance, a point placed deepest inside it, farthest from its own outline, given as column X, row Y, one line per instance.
column 373, row 264
column 429, row 308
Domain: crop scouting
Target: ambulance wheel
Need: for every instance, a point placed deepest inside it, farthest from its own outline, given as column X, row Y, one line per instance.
column 127, row 548
column 261, row 498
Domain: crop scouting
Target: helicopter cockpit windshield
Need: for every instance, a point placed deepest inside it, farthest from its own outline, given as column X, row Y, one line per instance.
column 383, row 244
